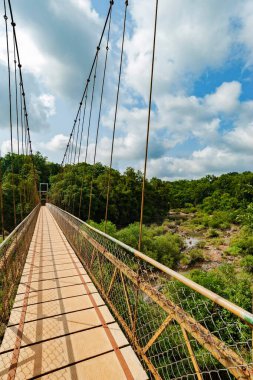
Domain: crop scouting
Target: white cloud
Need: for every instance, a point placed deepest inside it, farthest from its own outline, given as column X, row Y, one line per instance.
column 42, row 106
column 176, row 119
column 191, row 37
column 57, row 143
column 206, row 161
column 240, row 139
column 57, row 44
column 245, row 32
column 6, row 146
column 226, row 97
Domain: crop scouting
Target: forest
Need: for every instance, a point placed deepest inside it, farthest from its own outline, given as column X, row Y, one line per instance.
column 201, row 227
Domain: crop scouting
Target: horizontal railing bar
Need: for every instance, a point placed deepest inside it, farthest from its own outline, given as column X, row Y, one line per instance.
column 228, row 305
column 8, row 238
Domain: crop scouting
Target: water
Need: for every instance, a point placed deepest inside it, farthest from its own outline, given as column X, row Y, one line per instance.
column 191, row 242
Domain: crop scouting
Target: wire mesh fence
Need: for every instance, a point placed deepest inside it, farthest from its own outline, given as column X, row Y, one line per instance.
column 179, row 329
column 13, row 252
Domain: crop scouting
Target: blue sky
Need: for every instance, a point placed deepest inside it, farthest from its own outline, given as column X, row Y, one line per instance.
column 202, row 114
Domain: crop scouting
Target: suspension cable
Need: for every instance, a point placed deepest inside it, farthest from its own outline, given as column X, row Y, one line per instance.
column 10, row 116
column 21, row 118
column 99, row 113
column 77, row 135
column 88, row 130
column 1, row 200
column 91, row 70
column 148, row 129
column 72, row 143
column 16, row 92
column 115, row 115
column 27, row 129
column 84, row 112
column 9, row 72
column 91, row 107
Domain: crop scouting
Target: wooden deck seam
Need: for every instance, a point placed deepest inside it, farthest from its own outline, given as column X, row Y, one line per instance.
column 52, row 331
column 79, row 361
column 58, row 336
column 55, row 287
column 56, row 299
column 57, row 315
column 16, row 349
column 110, row 337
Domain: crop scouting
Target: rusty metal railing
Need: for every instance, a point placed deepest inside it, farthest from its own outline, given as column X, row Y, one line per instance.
column 179, row 329
column 13, row 252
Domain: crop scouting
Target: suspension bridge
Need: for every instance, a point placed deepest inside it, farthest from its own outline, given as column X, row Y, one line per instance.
column 78, row 304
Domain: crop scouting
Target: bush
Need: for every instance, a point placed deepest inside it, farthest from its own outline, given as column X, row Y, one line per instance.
column 192, row 257
column 201, row 244
column 130, row 234
column 111, row 229
column 167, row 248
column 242, row 244
column 217, row 241
column 163, row 247
column 247, row 263
column 213, row 233
column 226, row 282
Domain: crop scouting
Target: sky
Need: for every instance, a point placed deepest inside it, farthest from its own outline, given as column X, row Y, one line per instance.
column 202, row 108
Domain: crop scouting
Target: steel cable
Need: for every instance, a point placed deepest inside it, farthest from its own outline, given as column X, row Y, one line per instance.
column 89, row 123
column 99, row 113
column 16, row 92
column 91, row 70
column 10, row 116
column 148, row 129
column 115, row 114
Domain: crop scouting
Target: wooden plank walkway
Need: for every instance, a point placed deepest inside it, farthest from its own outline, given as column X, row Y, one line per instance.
column 60, row 327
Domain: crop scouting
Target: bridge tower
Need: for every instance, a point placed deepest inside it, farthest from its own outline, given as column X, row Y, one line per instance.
column 43, row 193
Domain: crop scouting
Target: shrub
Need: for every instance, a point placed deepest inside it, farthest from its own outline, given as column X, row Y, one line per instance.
column 226, row 282
column 217, row 241
column 233, row 250
column 163, row 247
column 201, row 244
column 192, row 257
column 242, row 244
column 168, row 249
column 247, row 263
column 213, row 233
column 111, row 229
column 130, row 234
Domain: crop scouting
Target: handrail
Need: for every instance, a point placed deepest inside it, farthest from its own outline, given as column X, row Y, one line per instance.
column 8, row 238
column 13, row 253
column 169, row 319
column 228, row 305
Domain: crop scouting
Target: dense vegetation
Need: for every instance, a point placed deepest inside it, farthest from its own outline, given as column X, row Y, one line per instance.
column 226, row 193
column 18, row 177
column 213, row 206
column 125, row 194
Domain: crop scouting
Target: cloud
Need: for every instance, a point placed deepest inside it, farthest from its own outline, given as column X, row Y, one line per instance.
column 245, row 30
column 200, row 163
column 176, row 120
column 42, row 106
column 57, row 42
column 226, row 97
column 240, row 139
column 6, row 146
column 191, row 37
column 58, row 39
column 57, row 143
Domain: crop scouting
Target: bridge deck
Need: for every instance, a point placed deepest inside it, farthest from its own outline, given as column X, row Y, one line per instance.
column 60, row 327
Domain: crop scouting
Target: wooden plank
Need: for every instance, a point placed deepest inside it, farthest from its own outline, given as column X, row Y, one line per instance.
column 66, row 323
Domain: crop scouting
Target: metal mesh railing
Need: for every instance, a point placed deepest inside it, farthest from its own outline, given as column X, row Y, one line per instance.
column 179, row 329
column 13, row 252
